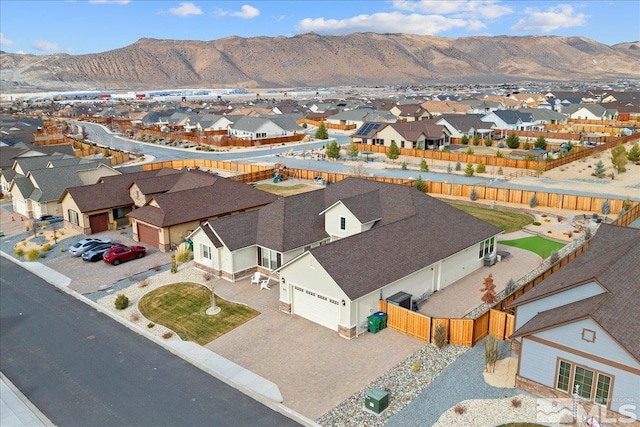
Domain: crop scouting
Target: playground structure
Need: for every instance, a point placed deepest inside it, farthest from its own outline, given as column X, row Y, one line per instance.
column 282, row 173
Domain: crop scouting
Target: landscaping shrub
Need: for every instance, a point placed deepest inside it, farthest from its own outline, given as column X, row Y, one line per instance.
column 490, row 353
column 533, row 202
column 516, row 403
column 183, row 256
column 469, row 170
column 500, row 171
column 416, row 366
column 135, row 316
column 207, row 276
column 474, row 195
column 167, row 335
column 144, row 282
column 460, row 409
column 174, row 264
column 536, row 223
column 420, row 184
column 32, row 255
column 449, row 168
column 121, row 302
column 46, row 247
column 458, row 166
column 481, row 168
column 555, row 257
column 19, row 252
column 470, row 151
column 424, row 167
column 440, row 335
column 150, row 325
column 510, row 286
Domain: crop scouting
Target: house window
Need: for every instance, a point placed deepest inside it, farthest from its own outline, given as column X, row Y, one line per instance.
column 205, row 251
column 588, row 335
column 269, row 259
column 486, row 247
column 343, row 223
column 603, row 387
column 73, row 217
column 583, row 379
column 564, row 374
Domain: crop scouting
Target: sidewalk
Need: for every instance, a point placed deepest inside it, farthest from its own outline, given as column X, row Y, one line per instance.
column 16, row 410
column 244, row 380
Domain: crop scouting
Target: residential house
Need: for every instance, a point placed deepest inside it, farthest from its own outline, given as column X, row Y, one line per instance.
column 359, row 116
column 506, row 120
column 417, row 134
column 590, row 112
column 578, row 330
column 171, row 208
column 459, row 125
column 438, row 108
column 334, row 253
column 36, row 187
column 263, row 127
column 409, row 112
column 484, row 106
column 544, row 117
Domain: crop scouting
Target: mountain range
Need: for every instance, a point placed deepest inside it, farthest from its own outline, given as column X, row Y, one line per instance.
column 312, row 60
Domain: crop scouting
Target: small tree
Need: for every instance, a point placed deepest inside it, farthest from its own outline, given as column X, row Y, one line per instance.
column 440, row 335
column 333, row 150
column 473, row 195
column 458, row 166
column 174, row 264
column 424, row 167
column 470, row 151
column 352, row 150
column 476, row 139
column 526, row 145
column 499, row 154
column 634, row 153
column 619, row 158
column 393, row 152
column 489, row 290
column 321, row 132
column 121, row 302
column 487, row 141
column 481, row 168
column 490, row 353
column 510, row 286
column 541, row 142
column 533, row 201
column 464, row 140
column 420, row 184
column 600, row 171
column 449, row 168
column 606, row 208
column 500, row 171
column 513, row 141
column 469, row 170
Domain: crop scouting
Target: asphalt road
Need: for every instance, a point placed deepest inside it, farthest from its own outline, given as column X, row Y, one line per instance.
column 81, row 368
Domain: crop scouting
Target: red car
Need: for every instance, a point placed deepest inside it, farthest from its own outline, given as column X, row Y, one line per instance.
column 119, row 254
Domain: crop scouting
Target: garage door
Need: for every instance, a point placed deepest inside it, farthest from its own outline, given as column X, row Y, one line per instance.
column 148, row 235
column 99, row 222
column 20, row 206
column 315, row 307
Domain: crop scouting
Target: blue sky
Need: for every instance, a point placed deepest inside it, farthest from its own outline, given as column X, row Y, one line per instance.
column 90, row 26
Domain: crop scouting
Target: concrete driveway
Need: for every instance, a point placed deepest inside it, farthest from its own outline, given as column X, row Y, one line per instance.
column 314, row 368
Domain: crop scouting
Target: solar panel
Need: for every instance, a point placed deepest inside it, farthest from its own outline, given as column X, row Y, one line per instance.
column 368, row 127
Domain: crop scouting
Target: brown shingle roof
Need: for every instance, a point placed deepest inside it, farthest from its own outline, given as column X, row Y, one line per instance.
column 235, row 231
column 222, row 197
column 611, row 260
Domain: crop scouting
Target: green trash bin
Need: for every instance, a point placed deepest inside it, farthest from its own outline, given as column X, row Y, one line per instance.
column 374, row 323
column 383, row 319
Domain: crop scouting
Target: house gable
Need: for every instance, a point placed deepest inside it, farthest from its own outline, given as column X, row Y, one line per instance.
column 340, row 222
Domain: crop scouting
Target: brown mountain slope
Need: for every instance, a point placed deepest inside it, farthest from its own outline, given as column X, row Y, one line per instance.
column 314, row 60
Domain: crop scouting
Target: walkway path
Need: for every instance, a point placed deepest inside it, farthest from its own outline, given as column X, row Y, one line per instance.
column 462, row 380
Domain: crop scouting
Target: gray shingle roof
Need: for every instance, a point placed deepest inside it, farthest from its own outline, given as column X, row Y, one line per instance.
column 391, row 250
column 235, row 231
column 52, row 182
column 611, row 260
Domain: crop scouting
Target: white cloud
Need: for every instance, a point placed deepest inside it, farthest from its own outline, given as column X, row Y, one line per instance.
column 561, row 16
column 185, row 9
column 394, row 22
column 46, row 46
column 111, row 1
column 4, row 42
column 488, row 9
column 246, row 12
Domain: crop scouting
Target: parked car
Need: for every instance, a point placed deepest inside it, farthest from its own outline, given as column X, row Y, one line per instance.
column 119, row 254
column 82, row 246
column 95, row 253
column 49, row 218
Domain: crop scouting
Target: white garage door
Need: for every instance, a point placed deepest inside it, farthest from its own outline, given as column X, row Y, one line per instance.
column 315, row 307
column 20, row 206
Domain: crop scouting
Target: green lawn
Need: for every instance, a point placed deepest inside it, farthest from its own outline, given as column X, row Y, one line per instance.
column 507, row 221
column 535, row 244
column 181, row 307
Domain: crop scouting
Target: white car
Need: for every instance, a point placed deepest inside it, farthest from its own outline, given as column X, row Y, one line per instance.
column 84, row 245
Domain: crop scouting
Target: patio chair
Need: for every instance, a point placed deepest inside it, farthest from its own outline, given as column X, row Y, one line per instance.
column 264, row 284
column 255, row 278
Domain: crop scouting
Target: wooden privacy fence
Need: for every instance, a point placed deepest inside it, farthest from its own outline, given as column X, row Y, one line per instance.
column 327, row 125
column 465, row 332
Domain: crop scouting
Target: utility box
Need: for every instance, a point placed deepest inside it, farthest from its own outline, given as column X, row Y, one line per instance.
column 376, row 400
column 401, row 299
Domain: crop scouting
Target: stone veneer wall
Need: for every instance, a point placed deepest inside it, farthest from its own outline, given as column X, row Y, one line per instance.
column 285, row 307
column 346, row 332
column 544, row 391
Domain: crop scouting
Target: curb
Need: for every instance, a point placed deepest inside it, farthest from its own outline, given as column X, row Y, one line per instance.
column 48, row 274
column 30, row 406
